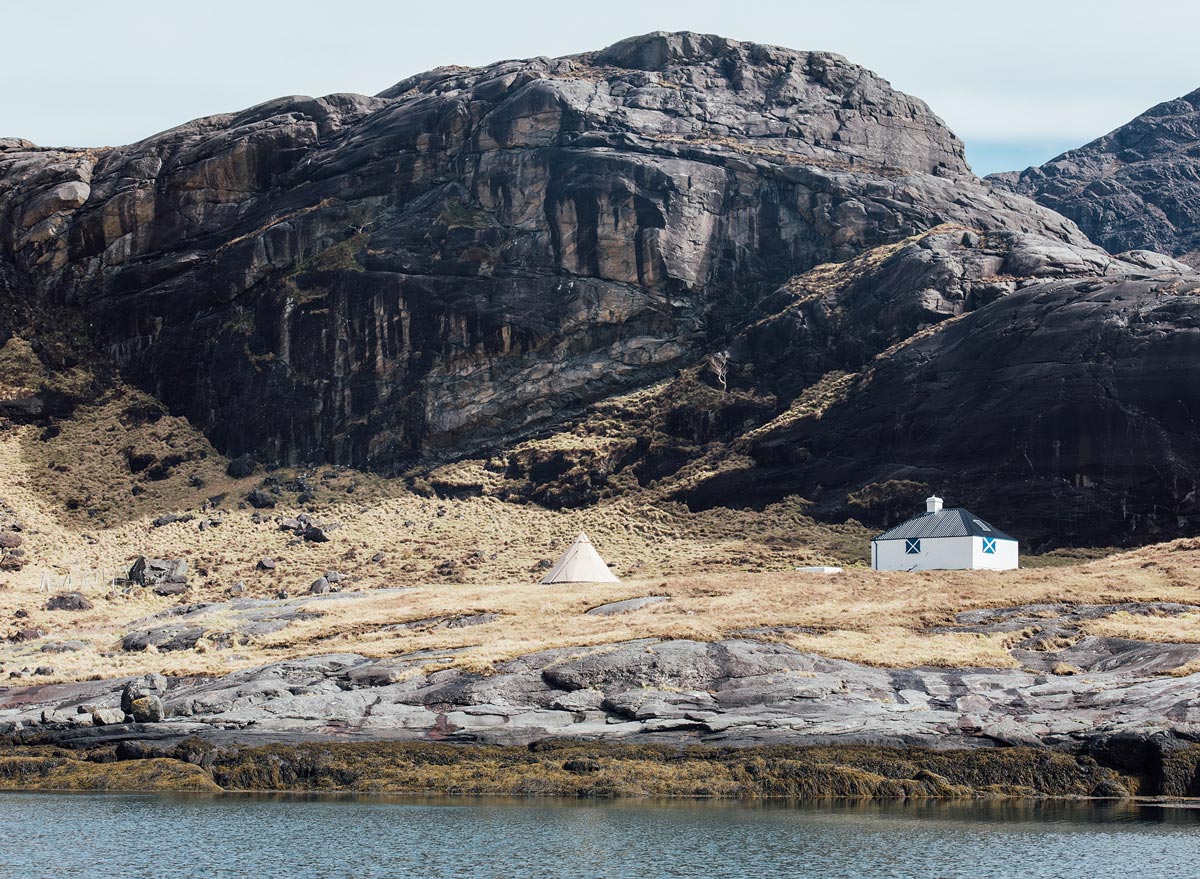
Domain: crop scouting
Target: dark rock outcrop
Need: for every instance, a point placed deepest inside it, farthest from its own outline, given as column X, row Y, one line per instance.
column 68, row 601
column 158, row 572
column 473, row 253
column 1135, row 188
column 1027, row 379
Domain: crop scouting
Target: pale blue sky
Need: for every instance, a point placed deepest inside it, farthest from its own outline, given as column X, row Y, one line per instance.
column 1019, row 81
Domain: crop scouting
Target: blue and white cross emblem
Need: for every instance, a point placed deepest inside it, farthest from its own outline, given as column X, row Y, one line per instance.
column 989, row 545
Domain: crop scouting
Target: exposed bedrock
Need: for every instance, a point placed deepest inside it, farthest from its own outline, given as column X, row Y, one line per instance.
column 473, row 253
column 1051, row 387
column 731, row 693
column 1137, row 187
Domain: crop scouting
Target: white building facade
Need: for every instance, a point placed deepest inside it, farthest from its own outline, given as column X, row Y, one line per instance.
column 944, row 540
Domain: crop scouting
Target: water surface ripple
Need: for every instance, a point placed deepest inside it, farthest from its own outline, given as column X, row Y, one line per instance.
column 189, row 836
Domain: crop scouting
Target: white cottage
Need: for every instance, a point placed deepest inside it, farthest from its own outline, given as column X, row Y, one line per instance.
column 943, row 540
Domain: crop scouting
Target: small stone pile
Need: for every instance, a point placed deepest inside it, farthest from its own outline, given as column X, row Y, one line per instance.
column 306, row 529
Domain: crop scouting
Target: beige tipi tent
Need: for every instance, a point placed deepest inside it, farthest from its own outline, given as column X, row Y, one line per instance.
column 580, row 564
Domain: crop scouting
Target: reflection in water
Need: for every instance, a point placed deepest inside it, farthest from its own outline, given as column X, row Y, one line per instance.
column 263, row 835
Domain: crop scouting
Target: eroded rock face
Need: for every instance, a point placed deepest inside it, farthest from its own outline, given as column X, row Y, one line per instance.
column 476, row 252
column 1135, row 188
column 1029, row 380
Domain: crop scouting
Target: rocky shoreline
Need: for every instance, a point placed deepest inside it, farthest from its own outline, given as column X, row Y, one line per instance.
column 1102, row 703
column 563, row 768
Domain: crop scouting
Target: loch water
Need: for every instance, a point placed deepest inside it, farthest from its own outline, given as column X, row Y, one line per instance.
column 202, row 836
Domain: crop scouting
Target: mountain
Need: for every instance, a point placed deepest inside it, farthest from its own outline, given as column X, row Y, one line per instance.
column 1136, row 187
column 1033, row 379
column 789, row 261
column 474, row 252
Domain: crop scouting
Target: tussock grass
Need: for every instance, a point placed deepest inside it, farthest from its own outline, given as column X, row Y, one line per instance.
column 22, row 372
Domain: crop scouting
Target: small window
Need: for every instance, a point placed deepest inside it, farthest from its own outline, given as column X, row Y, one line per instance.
column 912, row 546
column 982, row 524
column 989, row 545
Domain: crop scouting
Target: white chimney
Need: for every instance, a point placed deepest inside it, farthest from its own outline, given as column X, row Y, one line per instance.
column 933, row 504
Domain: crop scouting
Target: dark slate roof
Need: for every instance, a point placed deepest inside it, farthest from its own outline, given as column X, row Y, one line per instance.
column 946, row 523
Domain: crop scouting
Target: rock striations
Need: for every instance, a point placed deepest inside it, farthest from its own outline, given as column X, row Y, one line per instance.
column 1136, row 187
column 473, row 252
column 1019, row 374
column 477, row 254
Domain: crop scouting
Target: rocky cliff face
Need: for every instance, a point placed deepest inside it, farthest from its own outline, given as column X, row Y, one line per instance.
column 1136, row 187
column 1032, row 379
column 476, row 252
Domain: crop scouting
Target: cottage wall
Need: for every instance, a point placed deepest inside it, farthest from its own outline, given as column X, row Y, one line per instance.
column 937, row 553
column 1005, row 558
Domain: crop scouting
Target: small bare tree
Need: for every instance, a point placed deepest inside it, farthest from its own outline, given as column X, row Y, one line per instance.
column 719, row 364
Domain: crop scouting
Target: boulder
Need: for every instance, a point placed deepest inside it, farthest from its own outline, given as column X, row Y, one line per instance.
column 132, row 749
column 29, row 633
column 316, row 534
column 266, row 563
column 142, row 687
column 165, row 639
column 68, row 601
column 171, row 518
column 319, row 586
column 152, row 572
column 71, row 646
column 242, row 466
column 147, row 709
column 169, row 588
column 107, row 716
column 260, row 500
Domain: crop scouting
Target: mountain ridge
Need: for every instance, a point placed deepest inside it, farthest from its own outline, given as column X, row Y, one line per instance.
column 1135, row 187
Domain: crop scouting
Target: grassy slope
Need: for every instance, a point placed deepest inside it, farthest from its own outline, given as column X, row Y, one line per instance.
column 87, row 515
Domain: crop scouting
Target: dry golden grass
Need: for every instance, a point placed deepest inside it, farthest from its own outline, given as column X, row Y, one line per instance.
column 882, row 645
column 865, row 616
column 21, row 372
column 1178, row 629
column 830, row 389
column 87, row 517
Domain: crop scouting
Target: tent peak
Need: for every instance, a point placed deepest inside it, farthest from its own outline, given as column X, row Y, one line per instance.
column 580, row 564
